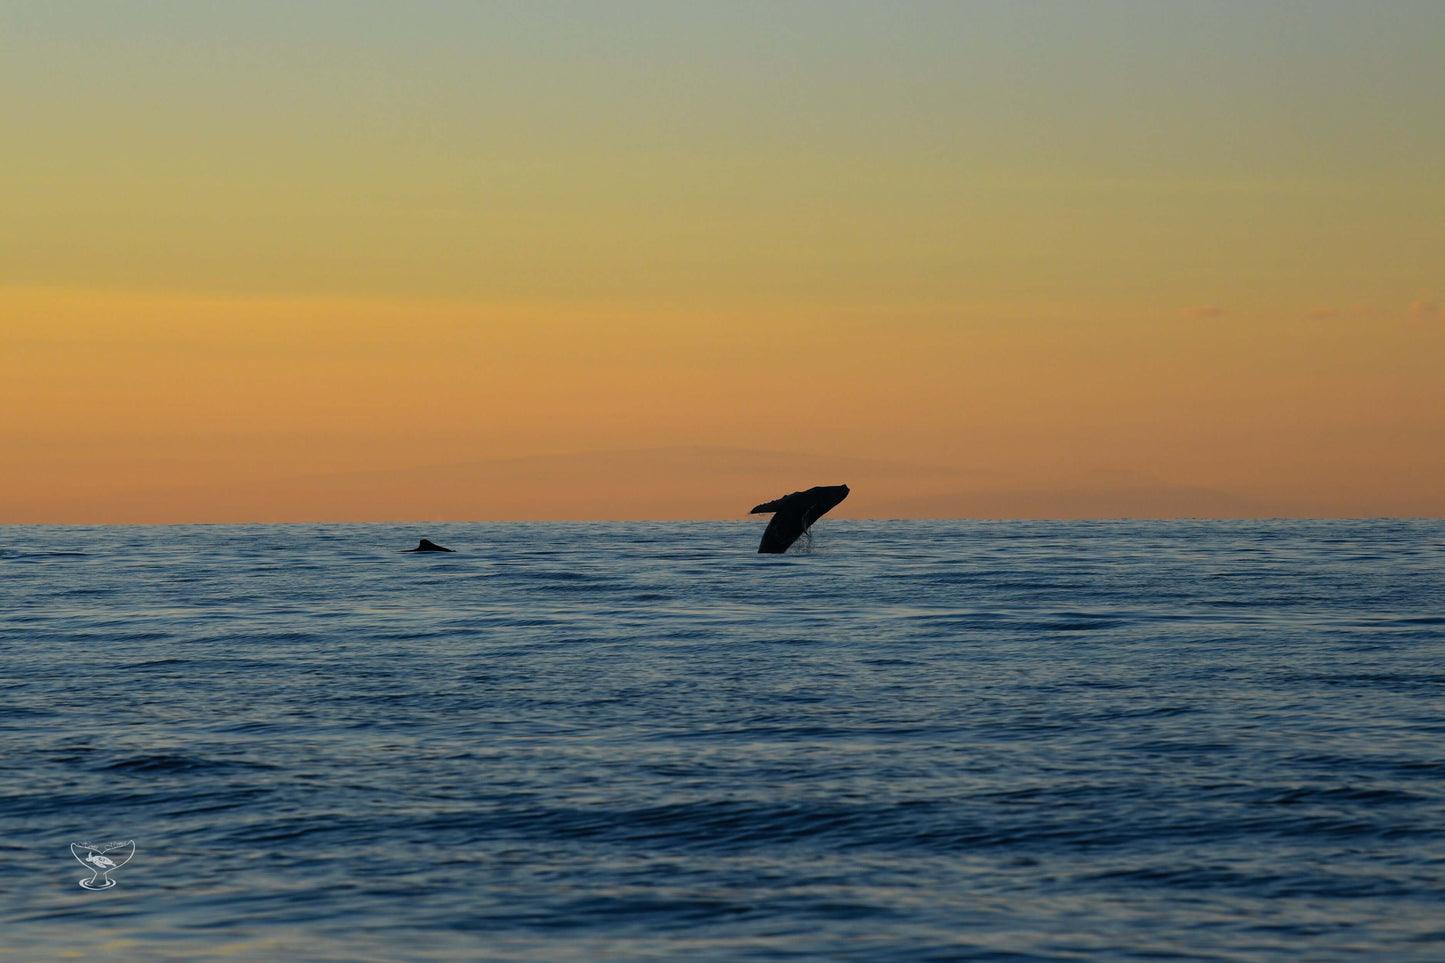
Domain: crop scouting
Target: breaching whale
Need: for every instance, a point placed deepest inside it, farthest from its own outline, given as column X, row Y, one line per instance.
column 427, row 545
column 794, row 514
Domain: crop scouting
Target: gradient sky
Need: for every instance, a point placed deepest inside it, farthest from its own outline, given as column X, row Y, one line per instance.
column 1044, row 259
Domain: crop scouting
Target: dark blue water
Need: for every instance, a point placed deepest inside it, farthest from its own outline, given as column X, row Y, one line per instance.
column 922, row 741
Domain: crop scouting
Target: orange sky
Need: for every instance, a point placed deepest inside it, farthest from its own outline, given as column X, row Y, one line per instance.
column 1004, row 261
column 166, row 408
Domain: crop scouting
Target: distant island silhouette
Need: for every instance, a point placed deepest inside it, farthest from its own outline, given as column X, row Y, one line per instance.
column 794, row 514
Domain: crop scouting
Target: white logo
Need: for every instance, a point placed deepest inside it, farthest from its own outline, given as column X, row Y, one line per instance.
column 103, row 860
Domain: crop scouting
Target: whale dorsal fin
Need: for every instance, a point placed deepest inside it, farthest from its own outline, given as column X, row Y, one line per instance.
column 427, row 545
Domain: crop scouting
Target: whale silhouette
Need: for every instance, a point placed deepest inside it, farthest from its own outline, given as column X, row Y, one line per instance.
column 427, row 545
column 794, row 514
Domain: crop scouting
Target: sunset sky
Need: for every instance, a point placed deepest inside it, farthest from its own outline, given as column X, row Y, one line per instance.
column 362, row 261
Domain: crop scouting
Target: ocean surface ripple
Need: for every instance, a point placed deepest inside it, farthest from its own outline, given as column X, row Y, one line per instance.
column 642, row 741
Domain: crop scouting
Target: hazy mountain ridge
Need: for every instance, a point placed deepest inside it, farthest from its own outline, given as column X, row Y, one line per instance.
column 689, row 482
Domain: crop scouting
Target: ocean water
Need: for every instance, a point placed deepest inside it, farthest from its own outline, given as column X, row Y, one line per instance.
column 642, row 741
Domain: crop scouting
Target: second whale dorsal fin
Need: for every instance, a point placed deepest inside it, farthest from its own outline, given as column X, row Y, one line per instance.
column 427, row 545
